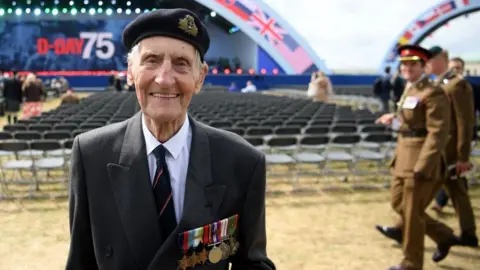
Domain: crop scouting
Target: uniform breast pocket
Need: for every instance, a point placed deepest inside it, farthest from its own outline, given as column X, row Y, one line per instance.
column 414, row 115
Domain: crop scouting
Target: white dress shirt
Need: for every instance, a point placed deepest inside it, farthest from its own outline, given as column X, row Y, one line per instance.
column 176, row 156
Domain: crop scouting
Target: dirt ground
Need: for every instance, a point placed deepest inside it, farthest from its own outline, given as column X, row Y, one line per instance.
column 321, row 231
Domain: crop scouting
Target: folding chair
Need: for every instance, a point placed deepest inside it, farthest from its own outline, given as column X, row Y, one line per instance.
column 310, row 153
column 48, row 163
column 340, row 151
column 16, row 165
column 280, row 153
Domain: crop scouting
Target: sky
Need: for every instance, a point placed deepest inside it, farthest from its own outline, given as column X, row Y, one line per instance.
column 355, row 35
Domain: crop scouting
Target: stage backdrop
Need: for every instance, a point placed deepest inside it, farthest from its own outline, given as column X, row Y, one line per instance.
column 62, row 45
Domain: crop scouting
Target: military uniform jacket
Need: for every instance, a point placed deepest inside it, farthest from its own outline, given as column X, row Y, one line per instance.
column 460, row 95
column 113, row 218
column 423, row 106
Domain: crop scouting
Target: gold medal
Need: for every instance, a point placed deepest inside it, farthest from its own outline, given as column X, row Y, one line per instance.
column 215, row 255
column 183, row 263
column 225, row 250
column 234, row 245
column 192, row 260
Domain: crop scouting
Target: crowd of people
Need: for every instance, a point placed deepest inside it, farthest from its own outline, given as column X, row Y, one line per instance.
column 21, row 91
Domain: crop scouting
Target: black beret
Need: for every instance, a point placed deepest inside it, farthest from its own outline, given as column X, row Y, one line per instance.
column 176, row 23
column 435, row 50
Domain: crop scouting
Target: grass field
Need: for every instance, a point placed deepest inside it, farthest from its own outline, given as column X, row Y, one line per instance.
column 334, row 231
column 331, row 231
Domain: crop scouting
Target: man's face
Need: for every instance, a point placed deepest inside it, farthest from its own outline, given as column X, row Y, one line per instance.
column 411, row 70
column 457, row 66
column 435, row 65
column 166, row 75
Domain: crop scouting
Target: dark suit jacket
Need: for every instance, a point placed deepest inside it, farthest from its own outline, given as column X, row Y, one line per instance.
column 113, row 219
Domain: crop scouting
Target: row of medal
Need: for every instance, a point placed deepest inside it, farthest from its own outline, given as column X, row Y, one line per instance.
column 215, row 236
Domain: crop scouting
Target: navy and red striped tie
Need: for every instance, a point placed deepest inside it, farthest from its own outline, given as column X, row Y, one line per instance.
column 163, row 193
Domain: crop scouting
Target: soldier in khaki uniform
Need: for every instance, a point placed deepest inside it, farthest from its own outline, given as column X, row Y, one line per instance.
column 458, row 148
column 418, row 168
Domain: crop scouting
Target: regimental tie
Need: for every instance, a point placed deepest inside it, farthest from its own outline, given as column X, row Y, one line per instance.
column 163, row 193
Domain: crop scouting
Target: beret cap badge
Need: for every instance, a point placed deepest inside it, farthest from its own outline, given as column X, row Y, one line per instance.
column 187, row 24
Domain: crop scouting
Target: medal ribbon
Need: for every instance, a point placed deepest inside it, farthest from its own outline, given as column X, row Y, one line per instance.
column 224, row 229
column 214, row 233
column 232, row 225
column 198, row 236
column 206, row 235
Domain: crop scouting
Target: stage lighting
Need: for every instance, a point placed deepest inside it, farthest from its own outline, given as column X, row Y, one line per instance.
column 100, row 3
column 18, row 12
column 71, row 3
column 64, row 10
column 100, row 10
column 213, row 14
column 119, row 10
column 9, row 11
column 145, row 11
column 137, row 10
column 29, row 2
column 129, row 3
column 2, row 12
column 73, row 11
column 47, row 10
column 14, row 3
column 85, row 2
column 28, row 10
column 37, row 11
column 109, row 11
column 128, row 11
column 114, row 2
column 275, row 71
column 83, row 10
column 263, row 71
column 56, row 2
column 54, row 11
column 91, row 11
column 42, row 3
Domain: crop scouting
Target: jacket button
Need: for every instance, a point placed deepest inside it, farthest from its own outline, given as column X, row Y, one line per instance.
column 108, row 251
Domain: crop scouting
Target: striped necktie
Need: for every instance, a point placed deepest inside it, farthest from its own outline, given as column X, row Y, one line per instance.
column 163, row 193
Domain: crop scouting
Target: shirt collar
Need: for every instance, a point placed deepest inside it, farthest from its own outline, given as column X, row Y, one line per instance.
column 174, row 146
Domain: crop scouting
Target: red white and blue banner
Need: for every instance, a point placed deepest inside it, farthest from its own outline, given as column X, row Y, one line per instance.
column 426, row 23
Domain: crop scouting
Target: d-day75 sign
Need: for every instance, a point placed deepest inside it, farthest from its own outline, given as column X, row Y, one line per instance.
column 99, row 43
column 83, row 45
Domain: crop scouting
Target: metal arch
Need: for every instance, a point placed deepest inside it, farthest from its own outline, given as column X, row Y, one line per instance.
column 462, row 7
column 317, row 61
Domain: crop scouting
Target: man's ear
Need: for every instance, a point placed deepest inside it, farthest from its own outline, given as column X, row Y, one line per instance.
column 201, row 78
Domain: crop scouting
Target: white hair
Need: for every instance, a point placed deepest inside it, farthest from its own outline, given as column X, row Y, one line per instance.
column 134, row 55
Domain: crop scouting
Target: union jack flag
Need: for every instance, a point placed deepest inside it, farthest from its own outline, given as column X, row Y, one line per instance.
column 267, row 27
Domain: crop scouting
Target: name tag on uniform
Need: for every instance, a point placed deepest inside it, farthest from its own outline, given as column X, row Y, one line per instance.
column 410, row 103
column 395, row 124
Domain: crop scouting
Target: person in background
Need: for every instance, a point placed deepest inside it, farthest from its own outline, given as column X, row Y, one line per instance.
column 13, row 97
column 398, row 85
column 382, row 88
column 233, row 87
column 459, row 147
column 70, row 98
column 249, row 88
column 32, row 88
column 320, row 87
column 422, row 122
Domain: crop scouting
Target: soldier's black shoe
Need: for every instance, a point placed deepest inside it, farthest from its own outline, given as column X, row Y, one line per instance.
column 444, row 248
column 391, row 232
column 469, row 240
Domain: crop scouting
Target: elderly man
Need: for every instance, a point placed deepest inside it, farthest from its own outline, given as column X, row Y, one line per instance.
column 161, row 190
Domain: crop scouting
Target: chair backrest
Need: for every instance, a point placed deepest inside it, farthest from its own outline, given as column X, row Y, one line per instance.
column 373, row 128
column 247, row 124
column 67, row 127
column 300, row 123
column 365, row 121
column 317, row 130
column 73, row 121
column 346, row 139
column 287, row 130
column 239, row 131
column 272, row 123
column 91, row 126
column 45, row 145
column 40, row 127
column 77, row 132
column 57, row 135
column 255, row 141
column 258, row 131
column 317, row 122
column 221, row 124
column 315, row 140
column 14, row 146
column 68, row 144
column 15, row 127
column 344, row 129
column 5, row 135
column 379, row 137
column 345, row 122
column 27, row 135
column 50, row 121
column 282, row 141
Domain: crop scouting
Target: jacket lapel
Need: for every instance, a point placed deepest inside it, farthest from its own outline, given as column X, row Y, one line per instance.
column 202, row 198
column 130, row 182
